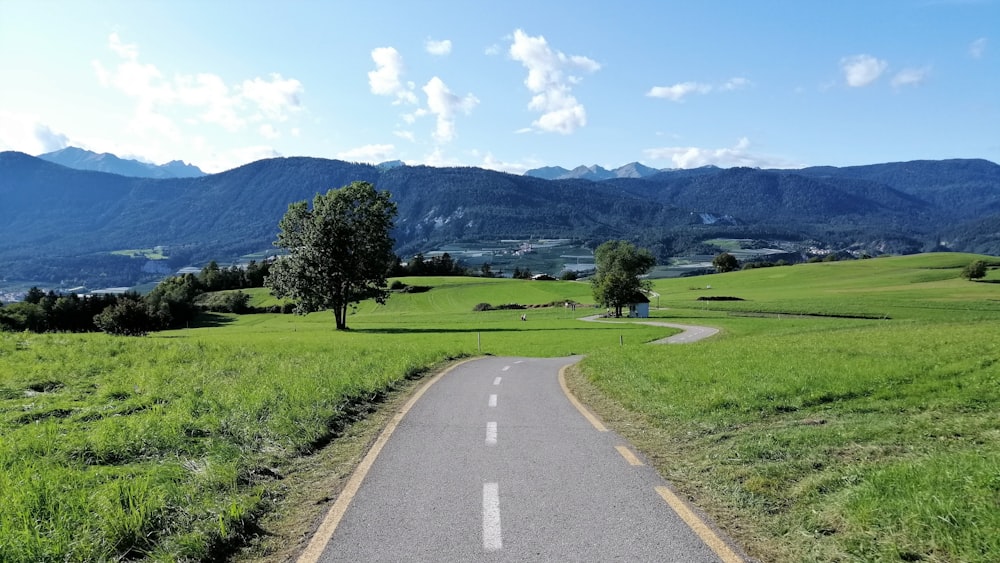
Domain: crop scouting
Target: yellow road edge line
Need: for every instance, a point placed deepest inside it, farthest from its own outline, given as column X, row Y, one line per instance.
column 699, row 527
column 629, row 456
column 594, row 421
column 321, row 538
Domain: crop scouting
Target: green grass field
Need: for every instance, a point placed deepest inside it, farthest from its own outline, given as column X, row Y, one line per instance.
column 807, row 437
column 830, row 439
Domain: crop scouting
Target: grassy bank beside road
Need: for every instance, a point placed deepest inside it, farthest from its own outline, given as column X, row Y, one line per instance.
column 825, row 439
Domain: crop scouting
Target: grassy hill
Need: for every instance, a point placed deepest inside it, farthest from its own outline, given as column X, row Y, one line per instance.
column 806, row 437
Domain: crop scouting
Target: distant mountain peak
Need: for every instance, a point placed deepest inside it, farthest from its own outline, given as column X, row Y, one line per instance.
column 82, row 159
column 389, row 164
column 593, row 172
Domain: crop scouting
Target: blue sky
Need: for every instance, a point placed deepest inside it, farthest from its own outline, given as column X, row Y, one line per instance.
column 508, row 85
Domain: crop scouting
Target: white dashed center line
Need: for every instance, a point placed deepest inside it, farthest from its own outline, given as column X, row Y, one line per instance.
column 505, row 368
column 492, row 537
column 497, row 381
column 493, row 400
column 491, row 433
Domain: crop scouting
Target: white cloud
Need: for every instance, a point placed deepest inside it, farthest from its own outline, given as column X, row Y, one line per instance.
column 493, row 50
column 550, row 79
column 128, row 52
column 490, row 162
column 232, row 158
column 275, row 97
column 27, row 134
column 408, row 135
column 862, row 70
column 368, row 153
column 442, row 47
column 445, row 105
column 385, row 79
column 978, row 48
column 735, row 83
column 910, row 77
column 161, row 102
column 738, row 155
column 439, row 159
column 268, row 131
column 678, row 92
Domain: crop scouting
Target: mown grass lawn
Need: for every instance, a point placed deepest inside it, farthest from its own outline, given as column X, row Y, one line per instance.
column 806, row 437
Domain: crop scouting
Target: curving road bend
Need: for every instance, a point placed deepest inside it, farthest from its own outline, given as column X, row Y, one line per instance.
column 494, row 462
column 689, row 334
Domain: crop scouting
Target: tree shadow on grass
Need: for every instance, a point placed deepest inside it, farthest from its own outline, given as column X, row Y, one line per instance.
column 210, row 320
column 400, row 330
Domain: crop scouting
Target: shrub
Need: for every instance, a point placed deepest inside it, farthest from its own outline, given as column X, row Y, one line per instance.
column 129, row 317
column 975, row 270
column 228, row 302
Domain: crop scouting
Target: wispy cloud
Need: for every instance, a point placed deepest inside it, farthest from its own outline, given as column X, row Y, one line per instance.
column 977, row 49
column 373, row 154
column 910, row 77
column 679, row 91
column 434, row 47
column 27, row 133
column 551, row 77
column 862, row 70
column 385, row 79
column 737, row 155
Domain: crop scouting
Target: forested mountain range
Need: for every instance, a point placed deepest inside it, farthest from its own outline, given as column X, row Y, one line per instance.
column 58, row 223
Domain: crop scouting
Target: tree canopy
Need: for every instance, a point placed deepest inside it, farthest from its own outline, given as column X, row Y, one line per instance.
column 725, row 262
column 975, row 270
column 620, row 265
column 339, row 251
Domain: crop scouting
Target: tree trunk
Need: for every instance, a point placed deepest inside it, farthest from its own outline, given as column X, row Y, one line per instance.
column 340, row 314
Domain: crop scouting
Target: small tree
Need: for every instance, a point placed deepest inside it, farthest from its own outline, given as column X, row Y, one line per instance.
column 129, row 317
column 975, row 270
column 619, row 267
column 725, row 262
column 339, row 252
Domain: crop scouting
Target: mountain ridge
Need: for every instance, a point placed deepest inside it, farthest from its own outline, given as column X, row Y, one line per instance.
column 82, row 159
column 61, row 223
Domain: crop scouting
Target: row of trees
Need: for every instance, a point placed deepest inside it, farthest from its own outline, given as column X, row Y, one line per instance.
column 172, row 303
column 419, row 265
column 43, row 312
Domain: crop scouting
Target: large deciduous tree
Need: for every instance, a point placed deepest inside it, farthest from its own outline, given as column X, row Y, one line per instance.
column 620, row 265
column 339, row 251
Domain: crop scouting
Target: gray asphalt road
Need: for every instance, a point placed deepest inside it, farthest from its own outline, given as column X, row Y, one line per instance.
column 689, row 334
column 494, row 463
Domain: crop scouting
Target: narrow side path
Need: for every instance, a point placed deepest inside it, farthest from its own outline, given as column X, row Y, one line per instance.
column 691, row 333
